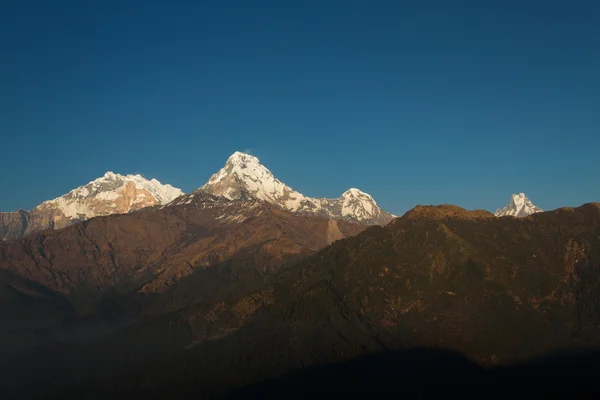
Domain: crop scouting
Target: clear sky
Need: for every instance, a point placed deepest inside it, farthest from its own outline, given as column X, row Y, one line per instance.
column 414, row 102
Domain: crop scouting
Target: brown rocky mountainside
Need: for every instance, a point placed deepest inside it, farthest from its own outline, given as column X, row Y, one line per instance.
column 498, row 290
column 98, row 276
column 20, row 223
column 149, row 250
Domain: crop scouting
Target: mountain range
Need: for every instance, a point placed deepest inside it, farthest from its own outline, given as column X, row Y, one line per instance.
column 205, row 295
column 244, row 280
column 242, row 177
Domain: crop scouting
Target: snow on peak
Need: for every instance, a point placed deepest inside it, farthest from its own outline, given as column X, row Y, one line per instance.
column 162, row 193
column 111, row 193
column 244, row 175
column 240, row 158
column 358, row 203
column 519, row 206
column 353, row 192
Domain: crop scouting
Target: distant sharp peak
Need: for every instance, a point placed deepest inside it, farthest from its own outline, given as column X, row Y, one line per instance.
column 246, row 164
column 519, row 206
column 244, row 176
column 240, row 158
column 354, row 192
column 518, row 197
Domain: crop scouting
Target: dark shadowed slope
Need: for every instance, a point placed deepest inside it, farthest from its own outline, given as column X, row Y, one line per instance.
column 433, row 374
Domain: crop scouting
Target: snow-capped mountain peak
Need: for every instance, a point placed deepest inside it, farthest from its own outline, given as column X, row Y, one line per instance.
column 110, row 194
column 356, row 193
column 358, row 203
column 244, row 175
column 519, row 206
column 244, row 160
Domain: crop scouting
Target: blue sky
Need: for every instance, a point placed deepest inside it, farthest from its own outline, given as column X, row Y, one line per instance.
column 415, row 102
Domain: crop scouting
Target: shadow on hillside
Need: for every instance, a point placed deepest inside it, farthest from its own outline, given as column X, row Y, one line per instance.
column 417, row 373
column 427, row 373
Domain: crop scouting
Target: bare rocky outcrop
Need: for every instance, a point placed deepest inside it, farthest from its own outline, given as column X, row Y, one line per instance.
column 20, row 223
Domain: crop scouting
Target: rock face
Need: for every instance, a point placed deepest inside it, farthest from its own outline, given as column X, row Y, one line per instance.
column 14, row 224
column 519, row 206
column 109, row 194
column 20, row 223
column 244, row 176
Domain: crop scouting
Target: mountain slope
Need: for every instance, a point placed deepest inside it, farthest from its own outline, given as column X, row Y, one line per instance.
column 244, row 176
column 109, row 194
column 519, row 206
column 150, row 250
column 112, row 274
column 495, row 289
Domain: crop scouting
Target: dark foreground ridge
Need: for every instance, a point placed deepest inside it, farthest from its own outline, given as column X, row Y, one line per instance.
column 417, row 373
column 431, row 373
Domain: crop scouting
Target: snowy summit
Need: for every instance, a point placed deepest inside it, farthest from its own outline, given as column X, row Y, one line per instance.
column 519, row 206
column 244, row 176
column 110, row 194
